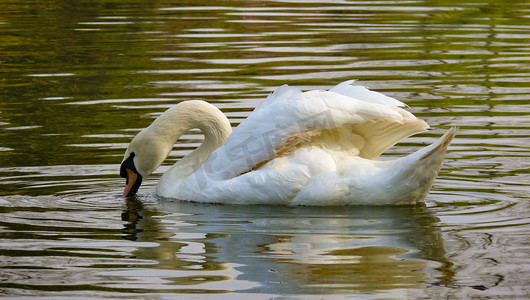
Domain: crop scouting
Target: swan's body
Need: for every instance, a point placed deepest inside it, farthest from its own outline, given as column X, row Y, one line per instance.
column 312, row 148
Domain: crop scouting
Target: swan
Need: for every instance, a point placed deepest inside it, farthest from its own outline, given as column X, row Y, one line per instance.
column 319, row 147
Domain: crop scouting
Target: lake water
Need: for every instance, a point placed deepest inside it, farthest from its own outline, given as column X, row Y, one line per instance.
column 80, row 78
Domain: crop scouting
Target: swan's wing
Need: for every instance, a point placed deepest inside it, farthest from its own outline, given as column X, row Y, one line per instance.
column 333, row 120
column 361, row 93
column 282, row 93
column 380, row 134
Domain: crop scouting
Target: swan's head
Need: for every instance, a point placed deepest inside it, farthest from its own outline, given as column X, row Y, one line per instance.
column 145, row 153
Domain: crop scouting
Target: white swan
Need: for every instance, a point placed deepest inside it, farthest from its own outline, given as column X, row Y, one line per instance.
column 311, row 148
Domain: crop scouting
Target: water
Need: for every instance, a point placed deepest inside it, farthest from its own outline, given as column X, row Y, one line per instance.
column 78, row 80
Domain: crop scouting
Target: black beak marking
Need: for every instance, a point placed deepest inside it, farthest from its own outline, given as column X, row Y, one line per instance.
column 129, row 164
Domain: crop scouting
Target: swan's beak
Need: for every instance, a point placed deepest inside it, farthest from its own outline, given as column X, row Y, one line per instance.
column 133, row 179
column 132, row 183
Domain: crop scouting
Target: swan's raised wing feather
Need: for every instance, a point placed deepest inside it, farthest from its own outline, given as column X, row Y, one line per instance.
column 289, row 115
column 363, row 94
column 383, row 133
column 282, row 93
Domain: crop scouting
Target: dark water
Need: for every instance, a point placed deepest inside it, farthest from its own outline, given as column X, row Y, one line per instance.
column 79, row 78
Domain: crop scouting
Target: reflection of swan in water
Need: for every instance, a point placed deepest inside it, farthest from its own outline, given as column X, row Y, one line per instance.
column 312, row 148
column 296, row 250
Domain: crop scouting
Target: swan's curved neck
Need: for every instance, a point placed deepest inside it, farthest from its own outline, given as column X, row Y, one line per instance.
column 169, row 126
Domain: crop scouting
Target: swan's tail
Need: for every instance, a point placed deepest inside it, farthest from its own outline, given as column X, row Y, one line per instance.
column 419, row 169
column 437, row 150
